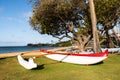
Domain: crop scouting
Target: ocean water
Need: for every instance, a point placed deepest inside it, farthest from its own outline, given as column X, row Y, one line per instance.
column 10, row 49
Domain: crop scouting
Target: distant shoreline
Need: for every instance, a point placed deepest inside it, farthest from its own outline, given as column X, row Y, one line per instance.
column 28, row 53
column 11, row 49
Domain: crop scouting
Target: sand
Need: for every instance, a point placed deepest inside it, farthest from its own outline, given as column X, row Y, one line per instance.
column 35, row 53
column 29, row 53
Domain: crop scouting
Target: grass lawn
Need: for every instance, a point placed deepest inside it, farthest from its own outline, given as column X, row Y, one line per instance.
column 53, row 70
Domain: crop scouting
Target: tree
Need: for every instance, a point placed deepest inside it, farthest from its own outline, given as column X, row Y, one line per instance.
column 94, row 27
column 108, row 16
column 61, row 18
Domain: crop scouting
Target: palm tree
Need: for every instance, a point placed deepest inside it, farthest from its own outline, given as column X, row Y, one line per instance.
column 96, row 46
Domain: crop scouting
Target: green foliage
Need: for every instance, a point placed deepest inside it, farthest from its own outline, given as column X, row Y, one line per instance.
column 54, row 17
column 51, row 16
column 65, row 43
column 84, row 31
column 108, row 15
column 108, row 12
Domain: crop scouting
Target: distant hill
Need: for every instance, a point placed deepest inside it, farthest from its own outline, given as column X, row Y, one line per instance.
column 59, row 44
column 62, row 44
column 39, row 44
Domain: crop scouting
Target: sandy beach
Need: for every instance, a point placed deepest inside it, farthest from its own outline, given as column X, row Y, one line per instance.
column 28, row 53
column 34, row 53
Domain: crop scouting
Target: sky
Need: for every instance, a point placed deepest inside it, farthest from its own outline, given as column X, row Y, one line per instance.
column 15, row 29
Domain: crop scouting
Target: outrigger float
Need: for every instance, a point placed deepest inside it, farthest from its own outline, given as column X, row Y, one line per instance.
column 26, row 64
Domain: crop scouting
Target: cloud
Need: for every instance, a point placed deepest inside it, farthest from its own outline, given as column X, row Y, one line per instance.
column 11, row 19
column 27, row 15
column 10, row 42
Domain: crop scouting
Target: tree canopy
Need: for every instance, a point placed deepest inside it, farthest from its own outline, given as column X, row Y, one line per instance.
column 59, row 18
column 108, row 16
column 53, row 16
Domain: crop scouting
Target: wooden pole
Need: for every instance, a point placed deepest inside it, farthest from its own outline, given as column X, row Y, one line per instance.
column 96, row 46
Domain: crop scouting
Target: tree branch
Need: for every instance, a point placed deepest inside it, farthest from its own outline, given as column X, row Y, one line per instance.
column 62, row 19
column 64, row 36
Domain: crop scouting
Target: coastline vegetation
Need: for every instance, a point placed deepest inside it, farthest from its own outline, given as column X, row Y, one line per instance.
column 48, row 69
column 59, row 44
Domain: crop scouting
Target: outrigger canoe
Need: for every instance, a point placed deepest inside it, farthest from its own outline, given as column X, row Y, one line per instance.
column 112, row 50
column 75, row 58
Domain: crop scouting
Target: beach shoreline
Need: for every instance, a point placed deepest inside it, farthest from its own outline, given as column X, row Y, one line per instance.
column 34, row 53
column 27, row 53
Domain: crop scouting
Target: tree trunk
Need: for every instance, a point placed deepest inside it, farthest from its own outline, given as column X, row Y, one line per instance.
column 107, row 39
column 80, row 47
column 109, row 42
column 81, row 40
column 80, row 44
column 117, row 38
column 96, row 46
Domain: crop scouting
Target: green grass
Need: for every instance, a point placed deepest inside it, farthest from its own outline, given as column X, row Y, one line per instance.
column 53, row 70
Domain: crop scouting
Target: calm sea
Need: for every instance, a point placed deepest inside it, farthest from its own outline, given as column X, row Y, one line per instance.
column 11, row 49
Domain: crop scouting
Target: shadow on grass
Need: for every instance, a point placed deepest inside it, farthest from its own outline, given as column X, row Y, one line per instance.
column 55, row 62
column 2, row 58
column 39, row 67
column 59, row 62
column 99, row 63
